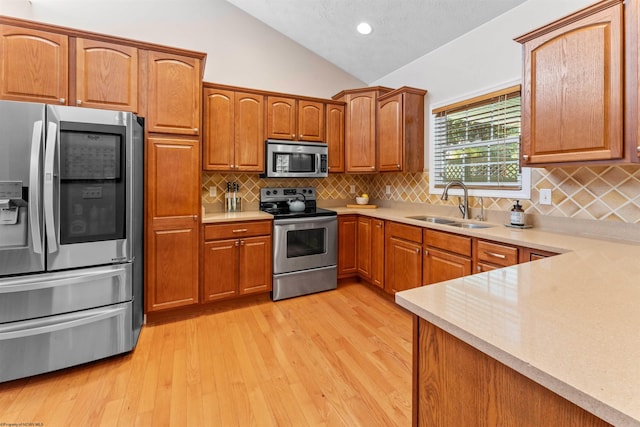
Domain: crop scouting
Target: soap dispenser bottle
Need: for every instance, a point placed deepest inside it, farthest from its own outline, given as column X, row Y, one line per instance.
column 517, row 214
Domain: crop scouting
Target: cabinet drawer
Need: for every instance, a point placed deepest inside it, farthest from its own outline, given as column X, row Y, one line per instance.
column 495, row 253
column 449, row 242
column 233, row 230
column 404, row 232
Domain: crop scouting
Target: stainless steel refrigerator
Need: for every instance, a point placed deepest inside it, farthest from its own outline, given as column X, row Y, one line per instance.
column 71, row 234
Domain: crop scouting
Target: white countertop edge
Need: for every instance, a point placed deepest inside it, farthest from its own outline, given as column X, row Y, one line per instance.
column 581, row 399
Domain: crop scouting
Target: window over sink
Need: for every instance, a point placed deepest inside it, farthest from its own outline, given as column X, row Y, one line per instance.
column 476, row 140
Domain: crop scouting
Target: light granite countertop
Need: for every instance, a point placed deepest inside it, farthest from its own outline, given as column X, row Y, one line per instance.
column 569, row 322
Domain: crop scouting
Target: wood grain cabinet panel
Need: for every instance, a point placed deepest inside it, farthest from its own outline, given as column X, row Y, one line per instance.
column 573, row 88
column 363, row 249
column 334, row 136
column 295, row 119
column 172, row 219
column 400, row 131
column 377, row 252
column 34, row 65
column 106, row 75
column 347, row 247
column 458, row 385
column 235, row 260
column 403, row 257
column 249, row 132
column 174, row 94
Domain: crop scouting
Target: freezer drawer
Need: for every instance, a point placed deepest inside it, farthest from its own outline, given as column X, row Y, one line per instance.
column 29, row 297
column 43, row 345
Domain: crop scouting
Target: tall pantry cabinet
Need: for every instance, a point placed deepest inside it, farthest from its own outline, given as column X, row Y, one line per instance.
column 173, row 179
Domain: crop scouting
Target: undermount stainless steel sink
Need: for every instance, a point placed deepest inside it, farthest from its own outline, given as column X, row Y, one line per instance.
column 433, row 219
column 446, row 221
column 469, row 225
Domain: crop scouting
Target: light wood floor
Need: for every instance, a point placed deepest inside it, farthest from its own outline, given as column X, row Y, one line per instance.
column 338, row 358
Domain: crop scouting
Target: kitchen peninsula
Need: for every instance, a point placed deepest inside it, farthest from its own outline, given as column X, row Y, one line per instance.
column 567, row 323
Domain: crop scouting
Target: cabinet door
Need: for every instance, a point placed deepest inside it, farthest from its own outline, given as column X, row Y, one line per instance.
column 172, row 218
column 363, row 250
column 335, row 137
column 390, row 134
column 573, row 90
column 360, row 133
column 255, row 265
column 218, row 129
column 220, row 269
column 281, row 117
column 106, row 75
column 310, row 121
column 347, row 233
column 439, row 266
column 249, row 132
column 34, row 65
column 403, row 265
column 377, row 252
column 172, row 264
column 174, row 94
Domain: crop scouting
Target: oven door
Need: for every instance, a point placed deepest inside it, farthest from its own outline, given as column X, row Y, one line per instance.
column 304, row 243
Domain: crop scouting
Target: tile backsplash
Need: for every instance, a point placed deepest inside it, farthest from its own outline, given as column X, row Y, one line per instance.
column 610, row 193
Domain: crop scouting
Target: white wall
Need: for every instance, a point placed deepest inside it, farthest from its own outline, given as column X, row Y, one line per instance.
column 242, row 51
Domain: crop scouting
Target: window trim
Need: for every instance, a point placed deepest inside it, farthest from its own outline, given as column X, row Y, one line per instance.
column 522, row 194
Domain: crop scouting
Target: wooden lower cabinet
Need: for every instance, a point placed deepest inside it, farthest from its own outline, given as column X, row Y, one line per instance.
column 492, row 255
column 236, row 259
column 347, row 248
column 172, row 264
column 455, row 384
column 403, row 257
column 446, row 256
column 370, row 250
column 530, row 254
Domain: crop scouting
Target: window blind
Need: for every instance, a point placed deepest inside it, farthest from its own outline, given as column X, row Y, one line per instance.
column 478, row 141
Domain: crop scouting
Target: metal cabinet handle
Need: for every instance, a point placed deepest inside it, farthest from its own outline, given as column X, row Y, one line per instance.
column 373, row 167
column 79, row 102
column 237, row 243
column 241, row 242
column 417, row 250
column 195, row 130
column 479, row 268
column 638, row 148
column 240, row 230
column 195, row 217
column 426, row 252
column 398, row 166
column 525, row 156
column 62, row 100
column 493, row 254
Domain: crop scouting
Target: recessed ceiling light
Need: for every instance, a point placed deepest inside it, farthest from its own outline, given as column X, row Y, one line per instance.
column 364, row 28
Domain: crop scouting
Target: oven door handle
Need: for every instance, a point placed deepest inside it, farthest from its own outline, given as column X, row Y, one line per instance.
column 305, row 220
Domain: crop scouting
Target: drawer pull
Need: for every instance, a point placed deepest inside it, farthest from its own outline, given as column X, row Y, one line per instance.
column 493, row 254
column 417, row 250
column 240, row 230
column 426, row 252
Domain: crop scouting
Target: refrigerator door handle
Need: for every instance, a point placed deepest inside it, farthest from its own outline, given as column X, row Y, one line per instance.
column 31, row 284
column 41, row 326
column 34, row 187
column 49, row 180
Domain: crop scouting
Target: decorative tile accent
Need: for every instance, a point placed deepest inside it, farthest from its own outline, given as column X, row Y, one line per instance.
column 610, row 193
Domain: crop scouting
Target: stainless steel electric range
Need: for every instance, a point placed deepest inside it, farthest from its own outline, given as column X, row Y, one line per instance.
column 304, row 242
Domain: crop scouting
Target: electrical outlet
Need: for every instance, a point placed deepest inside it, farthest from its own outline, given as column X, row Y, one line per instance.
column 352, row 189
column 213, row 191
column 387, row 189
column 545, row 196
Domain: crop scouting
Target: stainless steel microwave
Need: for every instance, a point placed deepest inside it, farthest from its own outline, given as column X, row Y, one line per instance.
column 295, row 159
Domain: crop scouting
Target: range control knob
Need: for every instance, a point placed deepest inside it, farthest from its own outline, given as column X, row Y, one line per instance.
column 275, row 191
column 268, row 193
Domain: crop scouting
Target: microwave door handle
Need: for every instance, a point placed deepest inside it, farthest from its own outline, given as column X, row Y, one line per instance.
column 318, row 162
column 34, row 187
column 49, row 181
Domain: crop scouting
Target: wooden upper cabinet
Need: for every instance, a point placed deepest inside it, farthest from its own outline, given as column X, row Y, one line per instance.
column 106, row 75
column 400, row 127
column 293, row 119
column 310, row 121
column 34, row 65
column 281, row 118
column 573, row 88
column 174, row 93
column 249, row 132
column 334, row 136
column 218, row 129
column 233, row 130
column 360, row 128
